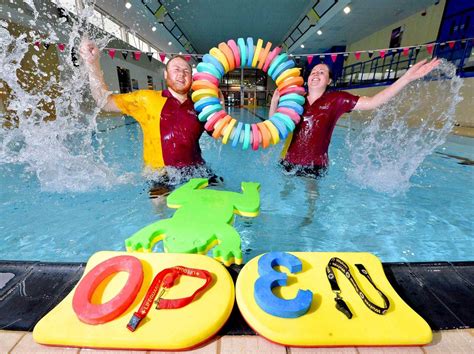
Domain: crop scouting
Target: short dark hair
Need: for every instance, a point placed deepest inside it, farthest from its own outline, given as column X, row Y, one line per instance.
column 176, row 57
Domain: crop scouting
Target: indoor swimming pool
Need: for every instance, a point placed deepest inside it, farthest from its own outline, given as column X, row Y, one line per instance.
column 429, row 221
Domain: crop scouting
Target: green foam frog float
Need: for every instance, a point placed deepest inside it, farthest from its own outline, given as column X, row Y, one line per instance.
column 202, row 222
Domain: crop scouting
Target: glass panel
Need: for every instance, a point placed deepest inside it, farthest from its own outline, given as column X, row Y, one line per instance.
column 112, row 27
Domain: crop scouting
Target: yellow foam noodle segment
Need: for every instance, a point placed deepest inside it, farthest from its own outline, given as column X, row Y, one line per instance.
column 286, row 146
column 166, row 329
column 228, row 130
column 323, row 325
column 293, row 72
column 256, row 54
column 217, row 53
column 203, row 93
column 275, row 136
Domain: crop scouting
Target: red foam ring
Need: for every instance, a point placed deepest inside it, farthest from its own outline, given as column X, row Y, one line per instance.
column 101, row 313
column 207, row 77
column 255, row 137
column 270, row 58
column 293, row 89
column 213, row 119
column 295, row 117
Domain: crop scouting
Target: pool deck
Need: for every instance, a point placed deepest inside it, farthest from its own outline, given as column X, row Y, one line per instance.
column 452, row 341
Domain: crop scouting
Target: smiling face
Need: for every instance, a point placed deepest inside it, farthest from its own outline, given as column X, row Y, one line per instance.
column 319, row 77
column 178, row 75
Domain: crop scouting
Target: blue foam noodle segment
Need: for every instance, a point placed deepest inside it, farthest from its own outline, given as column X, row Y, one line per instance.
column 246, row 143
column 206, row 112
column 293, row 105
column 280, row 126
column 208, row 68
column 203, row 102
column 276, row 62
column 290, row 125
column 250, row 51
column 270, row 278
column 243, row 51
column 208, row 58
column 242, row 135
column 282, row 67
column 236, row 133
column 293, row 97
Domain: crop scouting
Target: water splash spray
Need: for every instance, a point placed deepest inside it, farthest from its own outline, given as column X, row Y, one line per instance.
column 59, row 146
column 390, row 146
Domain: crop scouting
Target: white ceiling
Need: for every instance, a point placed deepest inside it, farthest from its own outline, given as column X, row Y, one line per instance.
column 208, row 22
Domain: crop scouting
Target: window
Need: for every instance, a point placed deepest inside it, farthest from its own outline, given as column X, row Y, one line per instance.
column 149, row 80
column 112, row 27
column 96, row 19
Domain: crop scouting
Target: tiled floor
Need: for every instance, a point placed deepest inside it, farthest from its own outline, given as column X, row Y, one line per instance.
column 454, row 341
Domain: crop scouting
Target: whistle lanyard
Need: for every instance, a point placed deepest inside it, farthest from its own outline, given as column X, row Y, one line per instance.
column 340, row 304
column 165, row 280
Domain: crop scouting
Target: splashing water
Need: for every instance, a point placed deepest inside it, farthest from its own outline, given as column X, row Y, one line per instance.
column 50, row 126
column 390, row 146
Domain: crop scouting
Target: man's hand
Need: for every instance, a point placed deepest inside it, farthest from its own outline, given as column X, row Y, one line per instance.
column 89, row 52
column 421, row 69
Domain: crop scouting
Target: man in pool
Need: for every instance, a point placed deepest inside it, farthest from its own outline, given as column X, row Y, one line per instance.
column 307, row 153
column 169, row 123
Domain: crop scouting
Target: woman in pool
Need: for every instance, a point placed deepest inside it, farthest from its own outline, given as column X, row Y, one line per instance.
column 307, row 153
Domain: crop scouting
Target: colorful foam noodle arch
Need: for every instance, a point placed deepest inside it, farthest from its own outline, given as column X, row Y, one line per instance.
column 231, row 55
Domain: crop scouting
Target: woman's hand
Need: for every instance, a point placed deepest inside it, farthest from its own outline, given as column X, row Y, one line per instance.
column 421, row 69
column 274, row 103
column 89, row 52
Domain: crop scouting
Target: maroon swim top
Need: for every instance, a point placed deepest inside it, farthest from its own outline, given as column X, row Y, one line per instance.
column 171, row 130
column 311, row 138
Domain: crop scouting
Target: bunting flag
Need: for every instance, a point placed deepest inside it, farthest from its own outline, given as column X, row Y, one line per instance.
column 46, row 45
column 125, row 54
column 451, row 44
column 346, row 56
column 310, row 59
column 417, row 50
column 162, row 57
column 406, row 51
column 321, row 58
column 382, row 53
column 187, row 57
column 370, row 53
column 111, row 53
column 429, row 48
column 149, row 55
column 333, row 57
column 37, row 44
column 357, row 55
column 61, row 46
column 136, row 55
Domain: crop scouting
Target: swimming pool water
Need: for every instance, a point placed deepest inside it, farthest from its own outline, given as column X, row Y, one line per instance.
column 432, row 221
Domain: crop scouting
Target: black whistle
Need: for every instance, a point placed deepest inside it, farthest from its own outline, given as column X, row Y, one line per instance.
column 341, row 306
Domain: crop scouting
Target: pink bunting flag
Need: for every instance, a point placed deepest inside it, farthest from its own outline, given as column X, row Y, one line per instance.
column 137, row 55
column 451, row 44
column 37, row 44
column 382, row 53
column 61, row 46
column 429, row 48
column 187, row 57
column 310, row 59
column 406, row 50
column 357, row 55
column 162, row 57
column 111, row 53
column 333, row 57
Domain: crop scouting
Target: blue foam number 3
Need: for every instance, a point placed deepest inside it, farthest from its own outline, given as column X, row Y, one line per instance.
column 270, row 278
